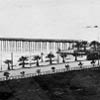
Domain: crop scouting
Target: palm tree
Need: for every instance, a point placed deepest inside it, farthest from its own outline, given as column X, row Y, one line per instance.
column 78, row 45
column 50, row 56
column 95, row 44
column 8, row 62
column 93, row 62
column 22, row 73
column 53, row 69
column 6, row 74
column 38, row 71
column 63, row 55
column 75, row 54
column 22, row 61
column 84, row 44
column 37, row 58
column 80, row 64
column 67, row 66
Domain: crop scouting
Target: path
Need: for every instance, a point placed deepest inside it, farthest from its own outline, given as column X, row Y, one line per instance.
column 45, row 68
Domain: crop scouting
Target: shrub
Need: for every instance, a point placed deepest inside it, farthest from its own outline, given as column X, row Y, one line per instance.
column 83, row 85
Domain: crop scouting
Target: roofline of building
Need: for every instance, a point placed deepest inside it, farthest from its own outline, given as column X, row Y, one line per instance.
column 38, row 40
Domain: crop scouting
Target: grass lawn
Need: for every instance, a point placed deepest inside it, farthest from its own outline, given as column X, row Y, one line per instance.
column 75, row 85
column 21, row 89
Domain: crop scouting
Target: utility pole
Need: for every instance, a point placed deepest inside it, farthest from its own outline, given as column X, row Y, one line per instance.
column 1, row 61
column 98, row 50
column 30, row 59
column 96, row 26
column 1, row 53
column 12, row 59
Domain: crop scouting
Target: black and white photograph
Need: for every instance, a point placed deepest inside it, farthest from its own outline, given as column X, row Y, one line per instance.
column 49, row 49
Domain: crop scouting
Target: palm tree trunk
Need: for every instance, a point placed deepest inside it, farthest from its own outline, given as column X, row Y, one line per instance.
column 95, row 47
column 63, row 60
column 57, row 58
column 12, row 67
column 23, row 64
column 41, row 58
column 84, row 48
column 8, row 66
column 76, row 58
column 50, row 60
column 37, row 63
column 78, row 48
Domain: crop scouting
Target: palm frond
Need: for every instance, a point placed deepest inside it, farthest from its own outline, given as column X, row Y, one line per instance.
column 50, row 55
column 36, row 57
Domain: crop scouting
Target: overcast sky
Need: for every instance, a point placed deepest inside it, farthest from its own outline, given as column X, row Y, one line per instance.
column 62, row 19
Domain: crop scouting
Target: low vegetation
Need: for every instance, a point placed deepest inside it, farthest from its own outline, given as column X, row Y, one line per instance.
column 21, row 89
column 75, row 85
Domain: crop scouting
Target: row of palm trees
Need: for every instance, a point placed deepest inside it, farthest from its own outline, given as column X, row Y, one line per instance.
column 22, row 60
column 38, row 71
column 95, row 44
column 83, row 44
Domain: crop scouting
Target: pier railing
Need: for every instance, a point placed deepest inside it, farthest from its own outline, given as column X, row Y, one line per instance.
column 48, row 72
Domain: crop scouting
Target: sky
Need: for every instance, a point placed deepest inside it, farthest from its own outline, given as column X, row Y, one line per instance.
column 53, row 19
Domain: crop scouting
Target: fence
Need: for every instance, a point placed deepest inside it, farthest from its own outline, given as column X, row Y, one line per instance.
column 48, row 72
